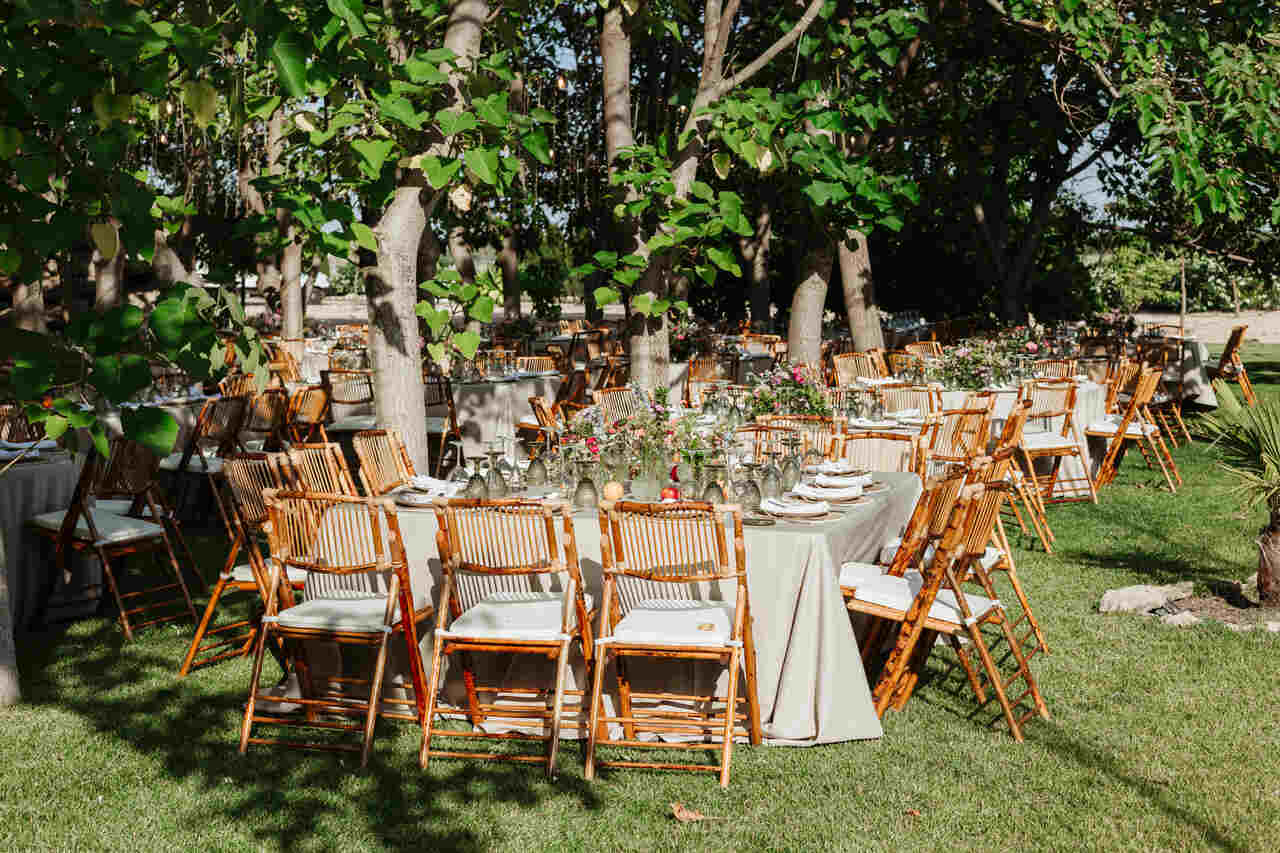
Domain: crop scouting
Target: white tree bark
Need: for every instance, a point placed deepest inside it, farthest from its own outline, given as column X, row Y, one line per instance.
column 804, row 335
column 859, row 292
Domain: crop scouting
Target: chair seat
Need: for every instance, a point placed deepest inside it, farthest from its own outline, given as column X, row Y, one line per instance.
column 210, row 465
column 890, row 550
column 118, row 506
column 358, row 615
column 898, row 593
column 529, row 422
column 243, row 573
column 1110, row 427
column 355, row 423
column 854, row 573
column 114, row 529
column 674, row 622
column 530, row 616
column 1047, row 441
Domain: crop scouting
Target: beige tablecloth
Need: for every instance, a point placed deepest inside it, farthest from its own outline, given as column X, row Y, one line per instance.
column 483, row 406
column 812, row 687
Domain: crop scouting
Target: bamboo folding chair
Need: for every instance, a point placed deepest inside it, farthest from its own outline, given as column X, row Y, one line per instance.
column 307, row 414
column 924, row 349
column 1136, row 426
column 901, row 362
column 1054, row 399
column 216, row 434
column 1024, row 498
column 877, row 357
column 817, row 432
column 264, row 421
column 1055, row 368
column 852, row 366
column 571, row 396
column 1166, row 400
column 1121, row 377
column 317, row 468
column 384, row 462
column 347, row 387
column 765, row 440
column 900, row 398
column 618, row 403
column 358, row 593
column 108, row 517
column 655, row 555
column 503, row 561
column 246, row 476
column 238, row 385
column 438, row 393
column 960, row 434
column 542, row 425
column 884, row 451
column 612, row 373
column 536, row 364
column 1231, row 366
column 16, row 427
column 703, row 371
column 282, row 365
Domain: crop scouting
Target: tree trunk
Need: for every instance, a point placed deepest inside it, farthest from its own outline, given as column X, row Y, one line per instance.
column 509, row 263
column 165, row 263
column 10, row 692
column 1269, row 561
column 391, row 287
column 755, row 251
column 859, row 292
column 804, row 335
column 108, row 275
column 28, row 307
column 291, row 307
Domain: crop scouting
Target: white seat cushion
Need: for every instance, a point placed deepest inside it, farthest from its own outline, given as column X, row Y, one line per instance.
column 898, row 593
column 111, row 527
column 1046, row 441
column 243, row 573
column 118, row 506
column 1108, row 426
column 211, row 464
column 354, row 423
column 675, row 622
column 534, row 616
column 529, row 422
column 853, row 573
column 363, row 615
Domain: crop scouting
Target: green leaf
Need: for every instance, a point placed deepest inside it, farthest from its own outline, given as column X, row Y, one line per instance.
column 642, row 303
column 436, row 351
column 364, row 236
column 119, row 377
column 101, row 443
column 608, row 260
column 399, row 108
column 537, row 144
column 466, row 343
column 484, row 163
column 673, row 28
column 55, row 426
column 373, row 153
column 482, row 310
column 168, row 323
column 542, row 115
column 724, row 259
column 289, row 55
column 202, row 99
column 606, row 296
column 352, row 12
column 155, row 429
column 707, row 273
column 440, row 172
column 421, row 71
column 10, row 142
column 453, row 122
column 702, row 190
column 437, row 319
column 263, row 107
column 721, row 162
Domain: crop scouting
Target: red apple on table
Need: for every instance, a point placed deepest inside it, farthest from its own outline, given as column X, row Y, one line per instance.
column 671, row 493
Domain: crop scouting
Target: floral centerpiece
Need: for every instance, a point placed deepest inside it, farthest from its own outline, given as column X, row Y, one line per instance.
column 974, row 363
column 788, row 389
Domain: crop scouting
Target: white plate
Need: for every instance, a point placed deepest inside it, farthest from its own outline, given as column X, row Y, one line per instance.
column 773, row 506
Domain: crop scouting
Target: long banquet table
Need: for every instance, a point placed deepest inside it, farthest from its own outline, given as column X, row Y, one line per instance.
column 811, row 684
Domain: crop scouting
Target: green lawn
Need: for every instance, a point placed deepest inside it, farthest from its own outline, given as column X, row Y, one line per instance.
column 1161, row 738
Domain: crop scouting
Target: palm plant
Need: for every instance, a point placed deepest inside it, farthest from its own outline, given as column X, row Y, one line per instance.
column 1248, row 439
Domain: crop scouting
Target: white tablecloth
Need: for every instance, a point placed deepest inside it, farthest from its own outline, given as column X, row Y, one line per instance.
column 484, row 406
column 812, row 687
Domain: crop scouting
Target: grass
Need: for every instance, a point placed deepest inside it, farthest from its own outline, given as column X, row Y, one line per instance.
column 1161, row 738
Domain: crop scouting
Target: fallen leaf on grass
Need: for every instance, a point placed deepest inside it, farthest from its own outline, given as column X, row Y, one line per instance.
column 913, row 812
column 684, row 814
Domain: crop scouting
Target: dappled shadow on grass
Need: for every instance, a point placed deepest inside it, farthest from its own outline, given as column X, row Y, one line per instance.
column 285, row 798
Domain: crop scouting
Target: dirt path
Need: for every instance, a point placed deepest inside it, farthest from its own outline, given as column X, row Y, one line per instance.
column 1214, row 327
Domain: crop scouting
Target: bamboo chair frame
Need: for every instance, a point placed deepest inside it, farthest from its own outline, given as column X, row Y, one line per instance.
column 1054, row 399
column 1022, row 494
column 266, row 417
column 246, row 476
column 1138, row 415
column 766, row 438
column 238, row 385
column 852, row 366
column 1123, row 374
column 817, row 432
column 678, row 543
column 337, row 537
column 347, row 387
column 618, row 403
column 959, row 434
column 547, row 426
column 282, row 364
column 320, row 468
column 901, row 361
column 703, row 371
column 504, row 544
column 16, row 427
column 536, row 364
column 877, row 357
column 884, row 451
column 901, row 396
column 1166, row 400
column 384, row 462
column 1231, row 366
column 923, row 349
column 438, row 392
column 307, row 414
column 129, row 473
column 1055, row 368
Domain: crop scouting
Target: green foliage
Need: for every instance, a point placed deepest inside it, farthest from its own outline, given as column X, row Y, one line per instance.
column 448, row 295
column 1247, row 439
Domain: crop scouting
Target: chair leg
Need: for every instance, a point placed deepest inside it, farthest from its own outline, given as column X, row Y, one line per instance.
column 203, row 626
column 254, row 679
column 624, row 697
column 730, row 713
column 753, row 698
column 375, row 699
column 997, row 682
column 115, row 592
column 557, row 706
column 177, row 573
column 597, row 685
column 428, row 717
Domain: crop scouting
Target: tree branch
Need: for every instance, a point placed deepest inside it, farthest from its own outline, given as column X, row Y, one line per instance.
column 753, row 68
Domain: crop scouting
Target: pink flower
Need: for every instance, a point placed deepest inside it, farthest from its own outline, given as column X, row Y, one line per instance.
column 1032, row 347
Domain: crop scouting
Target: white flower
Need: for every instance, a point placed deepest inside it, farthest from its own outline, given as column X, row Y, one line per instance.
column 773, row 310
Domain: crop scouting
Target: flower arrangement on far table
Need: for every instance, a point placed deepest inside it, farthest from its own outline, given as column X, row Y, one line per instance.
column 787, row 389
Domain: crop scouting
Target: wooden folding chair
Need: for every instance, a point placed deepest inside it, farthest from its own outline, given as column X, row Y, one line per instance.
column 1122, row 374
column 704, row 371
column 115, row 512
column 317, row 468
column 238, row 385
column 1231, row 366
column 1135, row 426
column 347, row 387
column 818, row 433
column 358, row 593
column 1024, row 498
column 216, row 434
column 384, row 462
column 852, row 366
column 438, row 392
column 1166, row 400
column 618, row 403
column 503, row 561
column 958, row 435
column 901, row 398
column 1055, row 368
column 649, row 550
column 884, row 451
column 536, row 364
column 924, row 349
column 542, row 426
column 571, row 396
column 282, row 365
column 15, row 426
column 308, row 413
column 246, row 476
column 901, row 362
column 264, row 422
column 1052, row 399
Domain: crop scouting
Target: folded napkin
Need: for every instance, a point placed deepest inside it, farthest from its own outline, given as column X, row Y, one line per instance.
column 817, row 493
column 42, row 444
column 867, row 423
column 837, row 466
column 833, row 481
column 902, row 414
column 877, row 380
column 436, row 488
column 778, row 507
column 10, row 455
